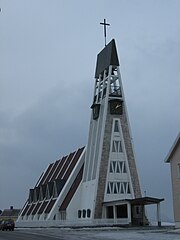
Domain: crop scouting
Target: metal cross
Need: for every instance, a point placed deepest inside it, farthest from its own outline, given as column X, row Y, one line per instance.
column 105, row 24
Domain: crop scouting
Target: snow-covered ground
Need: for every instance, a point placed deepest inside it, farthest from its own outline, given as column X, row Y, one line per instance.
column 108, row 233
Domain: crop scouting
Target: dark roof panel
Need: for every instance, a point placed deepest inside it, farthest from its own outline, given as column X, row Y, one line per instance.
column 45, row 174
column 73, row 163
column 30, row 209
column 41, row 210
column 65, row 166
column 56, row 172
column 25, row 210
column 50, row 205
column 72, row 190
column 36, row 208
column 108, row 56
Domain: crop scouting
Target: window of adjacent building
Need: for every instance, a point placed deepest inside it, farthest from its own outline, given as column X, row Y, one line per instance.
column 178, row 170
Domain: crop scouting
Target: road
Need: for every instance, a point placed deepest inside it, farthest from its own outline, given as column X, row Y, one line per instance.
column 88, row 234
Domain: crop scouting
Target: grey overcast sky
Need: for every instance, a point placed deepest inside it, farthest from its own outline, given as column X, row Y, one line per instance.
column 48, row 52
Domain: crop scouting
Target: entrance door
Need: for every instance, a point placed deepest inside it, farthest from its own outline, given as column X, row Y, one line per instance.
column 122, row 211
column 109, row 212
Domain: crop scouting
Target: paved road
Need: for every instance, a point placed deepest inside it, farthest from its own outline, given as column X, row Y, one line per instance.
column 88, row 234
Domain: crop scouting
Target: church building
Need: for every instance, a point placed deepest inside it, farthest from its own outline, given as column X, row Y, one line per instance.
column 98, row 183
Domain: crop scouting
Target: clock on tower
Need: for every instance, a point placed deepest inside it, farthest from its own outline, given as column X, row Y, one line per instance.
column 116, row 106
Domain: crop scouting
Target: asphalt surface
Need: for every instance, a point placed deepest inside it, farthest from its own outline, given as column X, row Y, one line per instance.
column 87, row 234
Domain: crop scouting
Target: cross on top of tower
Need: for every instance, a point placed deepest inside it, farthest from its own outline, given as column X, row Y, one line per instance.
column 105, row 24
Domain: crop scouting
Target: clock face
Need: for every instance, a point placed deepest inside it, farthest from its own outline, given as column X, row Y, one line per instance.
column 116, row 106
column 95, row 108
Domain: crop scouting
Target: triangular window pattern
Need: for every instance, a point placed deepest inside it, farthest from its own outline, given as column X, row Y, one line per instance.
column 116, row 146
column 118, row 188
column 117, row 167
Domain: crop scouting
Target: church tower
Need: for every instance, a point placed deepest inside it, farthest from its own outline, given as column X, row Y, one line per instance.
column 110, row 173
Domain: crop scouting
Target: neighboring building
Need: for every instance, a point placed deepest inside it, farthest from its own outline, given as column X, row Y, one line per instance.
column 10, row 213
column 173, row 158
column 98, row 183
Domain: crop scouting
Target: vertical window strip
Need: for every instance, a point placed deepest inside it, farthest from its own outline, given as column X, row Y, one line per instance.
column 116, row 126
column 111, row 168
column 118, row 168
column 124, row 168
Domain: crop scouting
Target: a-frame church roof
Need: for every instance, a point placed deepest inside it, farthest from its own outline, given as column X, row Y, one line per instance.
column 43, row 197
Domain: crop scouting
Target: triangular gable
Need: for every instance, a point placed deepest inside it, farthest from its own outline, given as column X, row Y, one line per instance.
column 173, row 148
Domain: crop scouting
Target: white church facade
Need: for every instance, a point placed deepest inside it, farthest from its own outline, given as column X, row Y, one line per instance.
column 96, row 184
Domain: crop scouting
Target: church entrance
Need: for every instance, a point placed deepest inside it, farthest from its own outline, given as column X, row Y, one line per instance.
column 122, row 211
column 118, row 212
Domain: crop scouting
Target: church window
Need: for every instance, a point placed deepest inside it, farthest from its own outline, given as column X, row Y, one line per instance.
column 114, row 166
column 113, row 147
column 117, row 146
column 121, row 189
column 84, row 213
column 115, row 189
column 116, row 126
column 111, row 168
column 120, row 146
column 125, row 186
column 128, row 189
column 118, row 186
column 124, row 168
column 63, row 215
column 79, row 213
column 88, row 213
column 137, row 210
column 118, row 168
column 111, row 187
column 108, row 189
